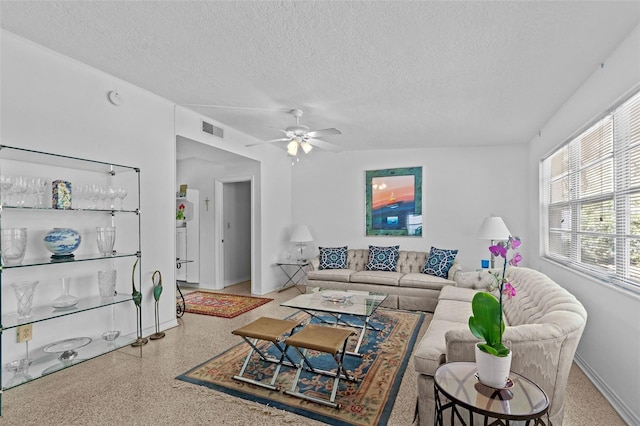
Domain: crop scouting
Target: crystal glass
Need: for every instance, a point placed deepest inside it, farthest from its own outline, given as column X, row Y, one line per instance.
column 106, row 238
column 121, row 193
column 24, row 295
column 66, row 300
column 5, row 186
column 107, row 283
column 13, row 242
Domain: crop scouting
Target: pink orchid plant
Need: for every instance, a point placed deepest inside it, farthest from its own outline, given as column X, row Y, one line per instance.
column 486, row 322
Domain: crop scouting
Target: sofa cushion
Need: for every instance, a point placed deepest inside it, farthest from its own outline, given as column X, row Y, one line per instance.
column 382, row 258
column 439, row 262
column 376, row 277
column 333, row 257
column 424, row 281
column 432, row 348
column 340, row 275
column 457, row 293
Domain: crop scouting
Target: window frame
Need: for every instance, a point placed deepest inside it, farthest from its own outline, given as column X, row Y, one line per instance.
column 561, row 197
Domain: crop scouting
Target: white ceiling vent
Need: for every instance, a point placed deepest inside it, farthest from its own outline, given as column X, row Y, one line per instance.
column 212, row 130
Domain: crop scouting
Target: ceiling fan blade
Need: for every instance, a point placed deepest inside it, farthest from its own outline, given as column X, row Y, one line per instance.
column 273, row 140
column 323, row 132
column 324, row 145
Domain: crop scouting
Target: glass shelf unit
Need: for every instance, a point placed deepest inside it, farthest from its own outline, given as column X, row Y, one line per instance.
column 76, row 258
column 44, row 313
column 93, row 314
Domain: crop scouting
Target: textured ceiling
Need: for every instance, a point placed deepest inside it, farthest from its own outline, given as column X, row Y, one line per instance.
column 388, row 74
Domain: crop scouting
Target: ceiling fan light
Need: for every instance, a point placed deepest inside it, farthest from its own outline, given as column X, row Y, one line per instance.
column 292, row 148
column 306, row 147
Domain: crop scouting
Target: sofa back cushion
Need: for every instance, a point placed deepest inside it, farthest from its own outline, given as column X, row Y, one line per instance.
column 539, row 300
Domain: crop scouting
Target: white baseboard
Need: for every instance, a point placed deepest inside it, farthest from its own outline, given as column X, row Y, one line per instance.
column 233, row 281
column 618, row 405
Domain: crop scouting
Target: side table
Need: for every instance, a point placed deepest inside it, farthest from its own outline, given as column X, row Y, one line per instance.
column 457, row 389
column 295, row 270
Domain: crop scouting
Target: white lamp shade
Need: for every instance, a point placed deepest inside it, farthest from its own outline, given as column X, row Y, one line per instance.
column 493, row 228
column 301, row 234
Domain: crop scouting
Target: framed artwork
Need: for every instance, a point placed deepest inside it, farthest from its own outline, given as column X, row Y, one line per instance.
column 394, row 202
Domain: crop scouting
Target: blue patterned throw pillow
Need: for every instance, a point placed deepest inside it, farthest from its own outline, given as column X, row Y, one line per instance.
column 439, row 262
column 333, row 257
column 382, row 258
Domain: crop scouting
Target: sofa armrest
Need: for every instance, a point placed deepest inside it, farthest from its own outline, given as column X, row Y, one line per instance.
column 453, row 270
column 314, row 264
column 460, row 345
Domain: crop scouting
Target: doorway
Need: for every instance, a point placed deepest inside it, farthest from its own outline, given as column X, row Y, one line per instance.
column 234, row 229
column 207, row 168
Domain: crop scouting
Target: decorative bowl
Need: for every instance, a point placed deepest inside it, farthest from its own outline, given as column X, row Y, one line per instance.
column 111, row 335
column 18, row 366
column 336, row 297
column 62, row 241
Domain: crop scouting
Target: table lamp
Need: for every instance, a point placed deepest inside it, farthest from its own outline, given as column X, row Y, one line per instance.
column 494, row 229
column 301, row 236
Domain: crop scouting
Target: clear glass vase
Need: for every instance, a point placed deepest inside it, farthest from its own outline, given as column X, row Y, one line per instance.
column 24, row 295
column 66, row 300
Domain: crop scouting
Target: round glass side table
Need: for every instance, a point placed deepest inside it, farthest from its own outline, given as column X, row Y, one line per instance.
column 457, row 389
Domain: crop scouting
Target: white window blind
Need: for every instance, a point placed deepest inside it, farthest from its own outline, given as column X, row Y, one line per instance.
column 591, row 206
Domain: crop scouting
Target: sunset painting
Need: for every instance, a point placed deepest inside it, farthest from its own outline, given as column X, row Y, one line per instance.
column 394, row 202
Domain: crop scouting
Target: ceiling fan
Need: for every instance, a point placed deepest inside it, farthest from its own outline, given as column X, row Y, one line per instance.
column 301, row 137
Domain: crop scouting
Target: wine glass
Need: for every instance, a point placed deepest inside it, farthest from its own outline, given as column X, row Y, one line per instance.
column 111, row 195
column 102, row 195
column 19, row 188
column 121, row 193
column 5, row 186
column 92, row 195
column 40, row 190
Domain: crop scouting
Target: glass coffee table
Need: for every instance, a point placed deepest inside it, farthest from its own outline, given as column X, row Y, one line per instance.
column 337, row 304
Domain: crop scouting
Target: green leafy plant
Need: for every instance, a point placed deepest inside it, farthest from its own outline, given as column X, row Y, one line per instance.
column 486, row 322
column 180, row 212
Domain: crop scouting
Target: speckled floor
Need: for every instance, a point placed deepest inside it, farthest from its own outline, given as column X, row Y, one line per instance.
column 120, row 388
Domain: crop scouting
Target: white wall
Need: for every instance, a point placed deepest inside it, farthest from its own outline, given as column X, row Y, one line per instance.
column 461, row 186
column 54, row 104
column 609, row 350
column 272, row 189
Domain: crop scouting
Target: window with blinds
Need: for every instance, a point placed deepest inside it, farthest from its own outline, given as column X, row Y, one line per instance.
column 591, row 199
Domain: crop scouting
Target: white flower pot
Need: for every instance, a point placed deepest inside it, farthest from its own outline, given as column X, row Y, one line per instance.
column 493, row 371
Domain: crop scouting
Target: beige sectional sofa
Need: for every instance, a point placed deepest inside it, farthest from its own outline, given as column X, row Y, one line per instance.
column 544, row 326
column 408, row 288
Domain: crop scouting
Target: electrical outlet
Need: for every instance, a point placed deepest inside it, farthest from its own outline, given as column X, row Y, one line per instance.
column 25, row 333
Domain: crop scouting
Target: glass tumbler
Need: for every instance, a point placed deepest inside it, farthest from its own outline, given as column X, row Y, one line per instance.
column 106, row 238
column 107, row 283
column 24, row 295
column 13, row 242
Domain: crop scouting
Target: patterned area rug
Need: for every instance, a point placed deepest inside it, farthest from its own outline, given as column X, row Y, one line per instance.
column 221, row 304
column 367, row 402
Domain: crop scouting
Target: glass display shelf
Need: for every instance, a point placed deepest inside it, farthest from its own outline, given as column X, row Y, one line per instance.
column 43, row 313
column 50, row 209
column 58, row 160
column 44, row 363
column 76, row 258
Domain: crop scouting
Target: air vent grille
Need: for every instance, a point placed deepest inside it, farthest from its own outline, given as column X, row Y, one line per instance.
column 212, row 130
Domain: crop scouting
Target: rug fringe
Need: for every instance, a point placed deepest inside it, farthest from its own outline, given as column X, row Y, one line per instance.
column 268, row 410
